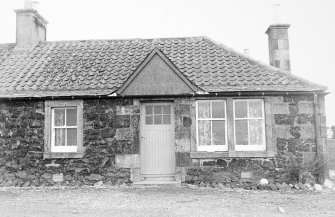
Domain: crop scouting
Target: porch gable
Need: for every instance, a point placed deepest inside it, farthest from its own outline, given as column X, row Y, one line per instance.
column 157, row 75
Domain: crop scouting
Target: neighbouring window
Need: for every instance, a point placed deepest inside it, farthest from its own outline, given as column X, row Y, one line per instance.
column 249, row 125
column 63, row 129
column 211, row 125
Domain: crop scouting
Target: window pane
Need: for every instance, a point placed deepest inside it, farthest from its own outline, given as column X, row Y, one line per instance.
column 59, row 117
column 148, row 109
column 204, row 132
column 166, row 119
column 158, row 119
column 72, row 137
column 59, row 137
column 219, row 132
column 218, row 109
column 255, row 109
column 157, row 109
column 71, row 117
column 148, row 120
column 166, row 109
column 241, row 109
column 256, row 132
column 241, row 130
column 203, row 109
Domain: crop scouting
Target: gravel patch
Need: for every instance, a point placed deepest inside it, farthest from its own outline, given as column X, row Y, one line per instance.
column 163, row 201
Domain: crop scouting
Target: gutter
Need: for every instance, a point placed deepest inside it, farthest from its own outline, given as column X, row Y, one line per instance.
column 226, row 94
column 196, row 94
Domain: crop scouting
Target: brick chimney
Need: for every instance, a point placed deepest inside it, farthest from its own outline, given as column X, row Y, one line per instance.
column 30, row 27
column 279, row 43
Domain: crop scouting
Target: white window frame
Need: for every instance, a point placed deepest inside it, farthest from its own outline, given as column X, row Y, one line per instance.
column 248, row 147
column 50, row 152
column 212, row 148
column 53, row 129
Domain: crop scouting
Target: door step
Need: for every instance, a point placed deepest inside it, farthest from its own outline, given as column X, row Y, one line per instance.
column 159, row 177
column 158, row 182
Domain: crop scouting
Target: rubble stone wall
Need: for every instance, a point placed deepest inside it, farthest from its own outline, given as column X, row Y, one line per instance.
column 293, row 132
column 110, row 138
column 111, row 141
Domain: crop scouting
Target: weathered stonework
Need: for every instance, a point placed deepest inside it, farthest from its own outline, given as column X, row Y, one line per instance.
column 183, row 135
column 110, row 131
column 111, row 141
column 293, row 132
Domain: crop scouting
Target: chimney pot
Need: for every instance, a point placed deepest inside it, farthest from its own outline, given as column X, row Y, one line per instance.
column 277, row 13
column 36, row 5
column 28, row 4
column 246, row 52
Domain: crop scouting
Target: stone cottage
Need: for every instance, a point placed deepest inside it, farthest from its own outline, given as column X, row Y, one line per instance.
column 147, row 111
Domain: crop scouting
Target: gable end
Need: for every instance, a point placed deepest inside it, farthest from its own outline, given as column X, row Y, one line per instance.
column 157, row 75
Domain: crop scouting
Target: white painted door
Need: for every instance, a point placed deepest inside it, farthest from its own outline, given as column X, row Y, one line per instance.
column 157, row 141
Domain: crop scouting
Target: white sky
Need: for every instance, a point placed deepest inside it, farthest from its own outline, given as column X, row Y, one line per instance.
column 239, row 24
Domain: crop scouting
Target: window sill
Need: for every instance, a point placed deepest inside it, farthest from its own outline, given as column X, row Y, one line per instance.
column 233, row 154
column 63, row 155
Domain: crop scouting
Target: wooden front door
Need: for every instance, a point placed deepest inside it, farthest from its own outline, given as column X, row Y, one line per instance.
column 157, row 141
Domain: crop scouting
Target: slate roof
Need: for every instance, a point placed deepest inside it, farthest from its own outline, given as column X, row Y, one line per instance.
column 100, row 67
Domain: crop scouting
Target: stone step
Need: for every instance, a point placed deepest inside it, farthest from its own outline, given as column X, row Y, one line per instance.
column 158, row 182
column 160, row 177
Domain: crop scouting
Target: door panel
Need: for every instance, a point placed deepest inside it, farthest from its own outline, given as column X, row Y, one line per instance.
column 157, row 140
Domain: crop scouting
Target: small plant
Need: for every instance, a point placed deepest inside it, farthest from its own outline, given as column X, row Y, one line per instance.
column 305, row 172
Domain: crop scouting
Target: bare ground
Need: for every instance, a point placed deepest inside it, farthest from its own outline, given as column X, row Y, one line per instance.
column 162, row 201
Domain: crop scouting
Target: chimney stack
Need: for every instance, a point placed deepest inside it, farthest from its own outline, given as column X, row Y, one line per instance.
column 30, row 26
column 278, row 42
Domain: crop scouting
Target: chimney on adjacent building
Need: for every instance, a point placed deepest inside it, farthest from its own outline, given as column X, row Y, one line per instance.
column 30, row 26
column 278, row 42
